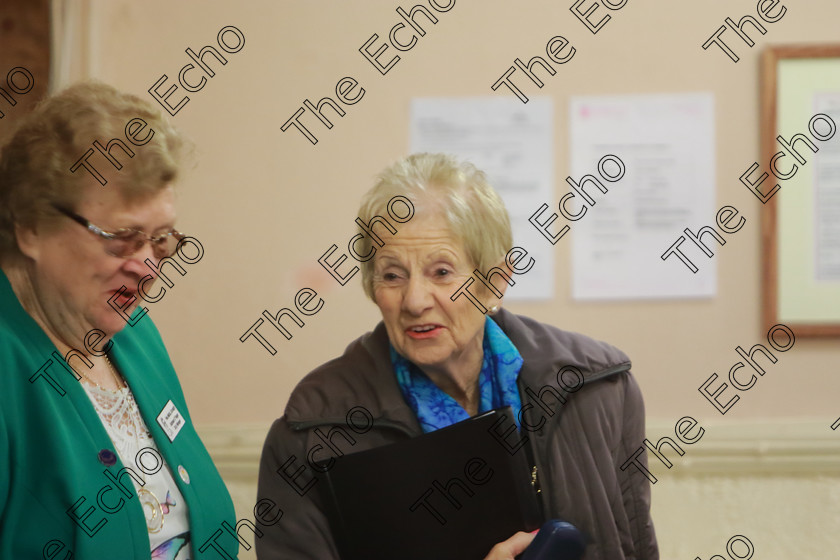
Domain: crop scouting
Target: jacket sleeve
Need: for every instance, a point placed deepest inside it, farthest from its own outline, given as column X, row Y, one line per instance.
column 287, row 484
column 635, row 486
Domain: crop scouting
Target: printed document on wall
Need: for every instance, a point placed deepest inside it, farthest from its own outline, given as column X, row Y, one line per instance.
column 666, row 143
column 513, row 144
column 826, row 185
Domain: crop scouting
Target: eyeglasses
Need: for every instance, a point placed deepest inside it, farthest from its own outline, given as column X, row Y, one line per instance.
column 126, row 241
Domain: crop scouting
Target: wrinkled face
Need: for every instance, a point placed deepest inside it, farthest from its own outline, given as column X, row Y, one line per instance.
column 415, row 274
column 73, row 275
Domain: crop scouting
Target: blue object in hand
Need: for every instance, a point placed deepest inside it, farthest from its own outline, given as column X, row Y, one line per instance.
column 557, row 540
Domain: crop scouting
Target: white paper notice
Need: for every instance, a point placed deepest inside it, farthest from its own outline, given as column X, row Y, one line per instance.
column 666, row 143
column 826, row 180
column 513, row 144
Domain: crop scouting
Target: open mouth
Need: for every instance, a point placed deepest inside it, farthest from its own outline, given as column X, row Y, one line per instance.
column 423, row 331
column 123, row 299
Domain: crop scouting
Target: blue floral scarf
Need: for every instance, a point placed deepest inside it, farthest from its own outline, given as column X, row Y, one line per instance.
column 497, row 383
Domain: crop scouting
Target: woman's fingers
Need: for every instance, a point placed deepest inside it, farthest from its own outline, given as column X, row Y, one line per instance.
column 507, row 550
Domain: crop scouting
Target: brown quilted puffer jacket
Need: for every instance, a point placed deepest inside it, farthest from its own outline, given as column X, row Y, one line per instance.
column 578, row 448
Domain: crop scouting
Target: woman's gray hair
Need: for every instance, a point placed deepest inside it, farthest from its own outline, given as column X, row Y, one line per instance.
column 474, row 212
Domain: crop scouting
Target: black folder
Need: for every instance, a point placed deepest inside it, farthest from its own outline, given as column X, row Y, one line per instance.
column 449, row 494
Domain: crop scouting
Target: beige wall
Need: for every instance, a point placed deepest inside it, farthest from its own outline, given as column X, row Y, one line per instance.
column 266, row 204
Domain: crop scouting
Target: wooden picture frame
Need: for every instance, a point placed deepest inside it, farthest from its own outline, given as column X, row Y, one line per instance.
column 801, row 263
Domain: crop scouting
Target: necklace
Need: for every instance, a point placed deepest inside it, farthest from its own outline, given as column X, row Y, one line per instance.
column 122, row 420
column 111, row 367
column 114, row 374
column 154, row 517
column 124, row 424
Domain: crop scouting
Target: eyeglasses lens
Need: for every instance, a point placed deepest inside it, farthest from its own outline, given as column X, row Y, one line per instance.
column 125, row 245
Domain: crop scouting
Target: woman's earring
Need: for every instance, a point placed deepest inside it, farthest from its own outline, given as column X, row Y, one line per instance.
column 493, row 310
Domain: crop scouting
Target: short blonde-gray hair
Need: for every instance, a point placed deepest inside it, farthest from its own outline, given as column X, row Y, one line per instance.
column 35, row 163
column 474, row 212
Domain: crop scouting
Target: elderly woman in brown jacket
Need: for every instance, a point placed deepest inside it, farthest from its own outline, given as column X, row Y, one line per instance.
column 436, row 359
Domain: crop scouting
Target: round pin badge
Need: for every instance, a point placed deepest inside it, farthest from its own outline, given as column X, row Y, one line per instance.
column 184, row 474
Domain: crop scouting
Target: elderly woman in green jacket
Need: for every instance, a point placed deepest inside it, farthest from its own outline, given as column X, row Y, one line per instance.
column 436, row 358
column 98, row 455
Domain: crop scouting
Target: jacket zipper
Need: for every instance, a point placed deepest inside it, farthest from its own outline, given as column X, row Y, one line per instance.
column 535, row 481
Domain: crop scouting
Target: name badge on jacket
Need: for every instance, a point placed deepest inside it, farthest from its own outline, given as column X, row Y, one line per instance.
column 170, row 420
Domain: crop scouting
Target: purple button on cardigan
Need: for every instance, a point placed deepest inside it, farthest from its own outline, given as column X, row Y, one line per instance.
column 107, row 457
